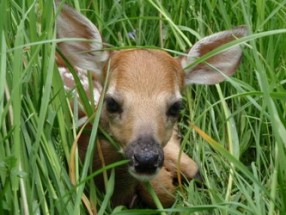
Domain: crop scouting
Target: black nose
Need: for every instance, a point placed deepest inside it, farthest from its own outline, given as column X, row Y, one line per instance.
column 146, row 162
column 146, row 156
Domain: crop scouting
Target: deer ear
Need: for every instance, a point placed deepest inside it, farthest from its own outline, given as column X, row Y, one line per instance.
column 226, row 61
column 84, row 54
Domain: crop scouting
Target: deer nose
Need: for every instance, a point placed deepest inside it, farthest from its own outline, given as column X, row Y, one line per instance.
column 146, row 162
column 146, row 157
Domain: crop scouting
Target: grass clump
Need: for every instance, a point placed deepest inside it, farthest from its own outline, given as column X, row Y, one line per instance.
column 234, row 130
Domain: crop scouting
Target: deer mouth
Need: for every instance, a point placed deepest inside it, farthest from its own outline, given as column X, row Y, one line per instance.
column 146, row 158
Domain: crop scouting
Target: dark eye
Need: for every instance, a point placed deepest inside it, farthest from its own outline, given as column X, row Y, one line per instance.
column 112, row 106
column 174, row 109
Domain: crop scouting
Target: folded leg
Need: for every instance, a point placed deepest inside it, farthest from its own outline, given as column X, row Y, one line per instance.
column 176, row 164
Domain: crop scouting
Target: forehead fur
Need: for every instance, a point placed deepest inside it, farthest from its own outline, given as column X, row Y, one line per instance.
column 149, row 71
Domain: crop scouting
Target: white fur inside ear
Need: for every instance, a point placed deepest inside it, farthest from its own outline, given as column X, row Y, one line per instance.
column 211, row 71
column 225, row 62
column 83, row 54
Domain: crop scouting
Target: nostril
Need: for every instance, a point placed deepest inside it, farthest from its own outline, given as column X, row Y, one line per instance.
column 146, row 162
column 146, row 159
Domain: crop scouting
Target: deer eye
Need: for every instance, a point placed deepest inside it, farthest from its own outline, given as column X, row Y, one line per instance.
column 174, row 109
column 112, row 106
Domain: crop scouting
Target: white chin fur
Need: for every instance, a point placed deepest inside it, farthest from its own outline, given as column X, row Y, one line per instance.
column 142, row 177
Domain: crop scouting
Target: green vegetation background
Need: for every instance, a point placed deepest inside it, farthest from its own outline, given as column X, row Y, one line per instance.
column 243, row 165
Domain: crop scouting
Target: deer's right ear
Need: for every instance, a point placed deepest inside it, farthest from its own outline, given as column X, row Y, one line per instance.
column 83, row 54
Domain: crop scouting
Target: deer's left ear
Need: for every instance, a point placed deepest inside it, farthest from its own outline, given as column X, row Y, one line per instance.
column 88, row 54
column 226, row 61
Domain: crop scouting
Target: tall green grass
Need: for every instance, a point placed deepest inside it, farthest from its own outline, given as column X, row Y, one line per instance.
column 236, row 131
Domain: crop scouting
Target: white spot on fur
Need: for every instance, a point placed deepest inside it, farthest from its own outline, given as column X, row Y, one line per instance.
column 81, row 121
column 96, row 95
column 65, row 73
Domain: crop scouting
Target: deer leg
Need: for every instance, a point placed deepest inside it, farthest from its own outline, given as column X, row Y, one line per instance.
column 176, row 164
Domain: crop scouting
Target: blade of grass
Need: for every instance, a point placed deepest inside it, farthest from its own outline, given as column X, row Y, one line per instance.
column 91, row 144
column 233, row 142
column 108, row 194
column 154, row 197
column 216, row 146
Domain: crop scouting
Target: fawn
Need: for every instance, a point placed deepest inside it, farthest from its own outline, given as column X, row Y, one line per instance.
column 142, row 102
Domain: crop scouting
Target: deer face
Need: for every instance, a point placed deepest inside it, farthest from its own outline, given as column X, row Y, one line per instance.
column 142, row 105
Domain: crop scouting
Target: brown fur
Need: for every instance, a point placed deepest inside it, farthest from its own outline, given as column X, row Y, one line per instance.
column 164, row 78
column 164, row 75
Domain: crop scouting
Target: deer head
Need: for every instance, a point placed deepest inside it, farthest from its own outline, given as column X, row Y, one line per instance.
column 143, row 98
